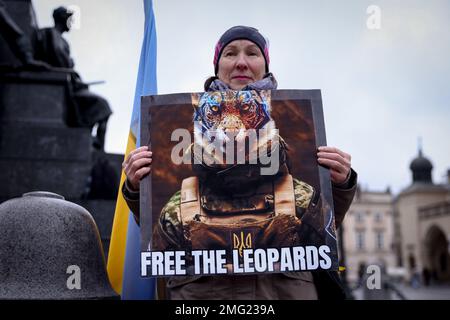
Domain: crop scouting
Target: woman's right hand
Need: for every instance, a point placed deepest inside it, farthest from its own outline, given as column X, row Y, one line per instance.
column 137, row 165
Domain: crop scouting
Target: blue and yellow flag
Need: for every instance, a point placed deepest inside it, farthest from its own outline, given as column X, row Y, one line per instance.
column 124, row 250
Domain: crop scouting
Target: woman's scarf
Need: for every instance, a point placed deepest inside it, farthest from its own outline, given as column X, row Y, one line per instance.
column 267, row 83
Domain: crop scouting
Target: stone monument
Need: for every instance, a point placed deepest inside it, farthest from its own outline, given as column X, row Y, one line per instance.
column 39, row 149
column 50, row 249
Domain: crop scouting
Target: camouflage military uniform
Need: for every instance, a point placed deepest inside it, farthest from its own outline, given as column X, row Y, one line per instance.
column 289, row 285
column 168, row 234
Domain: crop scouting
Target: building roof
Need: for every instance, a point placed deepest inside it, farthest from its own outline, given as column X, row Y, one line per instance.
column 424, row 187
column 421, row 168
column 421, row 163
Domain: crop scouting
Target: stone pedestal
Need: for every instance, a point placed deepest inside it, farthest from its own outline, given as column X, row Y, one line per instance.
column 39, row 152
column 34, row 97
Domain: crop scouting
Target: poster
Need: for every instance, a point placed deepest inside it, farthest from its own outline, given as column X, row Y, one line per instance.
column 235, row 186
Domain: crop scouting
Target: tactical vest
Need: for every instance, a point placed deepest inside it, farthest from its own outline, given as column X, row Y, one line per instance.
column 262, row 218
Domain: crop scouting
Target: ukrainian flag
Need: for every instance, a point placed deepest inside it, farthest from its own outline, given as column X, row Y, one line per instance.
column 124, row 250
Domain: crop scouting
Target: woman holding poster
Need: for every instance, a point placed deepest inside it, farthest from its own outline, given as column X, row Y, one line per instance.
column 241, row 62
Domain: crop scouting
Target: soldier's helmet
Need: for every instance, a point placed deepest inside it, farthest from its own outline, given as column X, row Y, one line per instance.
column 62, row 14
column 50, row 249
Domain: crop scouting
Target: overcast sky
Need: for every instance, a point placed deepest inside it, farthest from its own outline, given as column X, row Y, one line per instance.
column 381, row 88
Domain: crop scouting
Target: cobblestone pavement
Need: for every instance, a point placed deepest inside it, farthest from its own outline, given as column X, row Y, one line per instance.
column 434, row 292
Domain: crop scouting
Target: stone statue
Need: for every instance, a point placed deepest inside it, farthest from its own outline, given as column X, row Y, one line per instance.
column 38, row 100
column 88, row 109
column 18, row 42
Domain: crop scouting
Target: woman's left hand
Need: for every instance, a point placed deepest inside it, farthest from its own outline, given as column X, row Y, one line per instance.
column 337, row 161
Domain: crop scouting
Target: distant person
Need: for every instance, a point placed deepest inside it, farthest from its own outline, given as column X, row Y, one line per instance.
column 361, row 274
column 426, row 275
column 415, row 279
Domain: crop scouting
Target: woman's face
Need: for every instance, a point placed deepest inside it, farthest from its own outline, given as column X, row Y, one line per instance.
column 241, row 63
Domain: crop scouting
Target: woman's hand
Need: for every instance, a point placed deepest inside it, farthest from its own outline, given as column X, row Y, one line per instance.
column 137, row 165
column 337, row 161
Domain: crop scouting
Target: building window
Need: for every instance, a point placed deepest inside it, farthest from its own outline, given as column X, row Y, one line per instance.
column 360, row 240
column 359, row 216
column 380, row 240
column 378, row 216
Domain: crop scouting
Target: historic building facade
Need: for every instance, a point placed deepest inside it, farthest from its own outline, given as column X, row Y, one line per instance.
column 368, row 232
column 409, row 231
column 422, row 223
